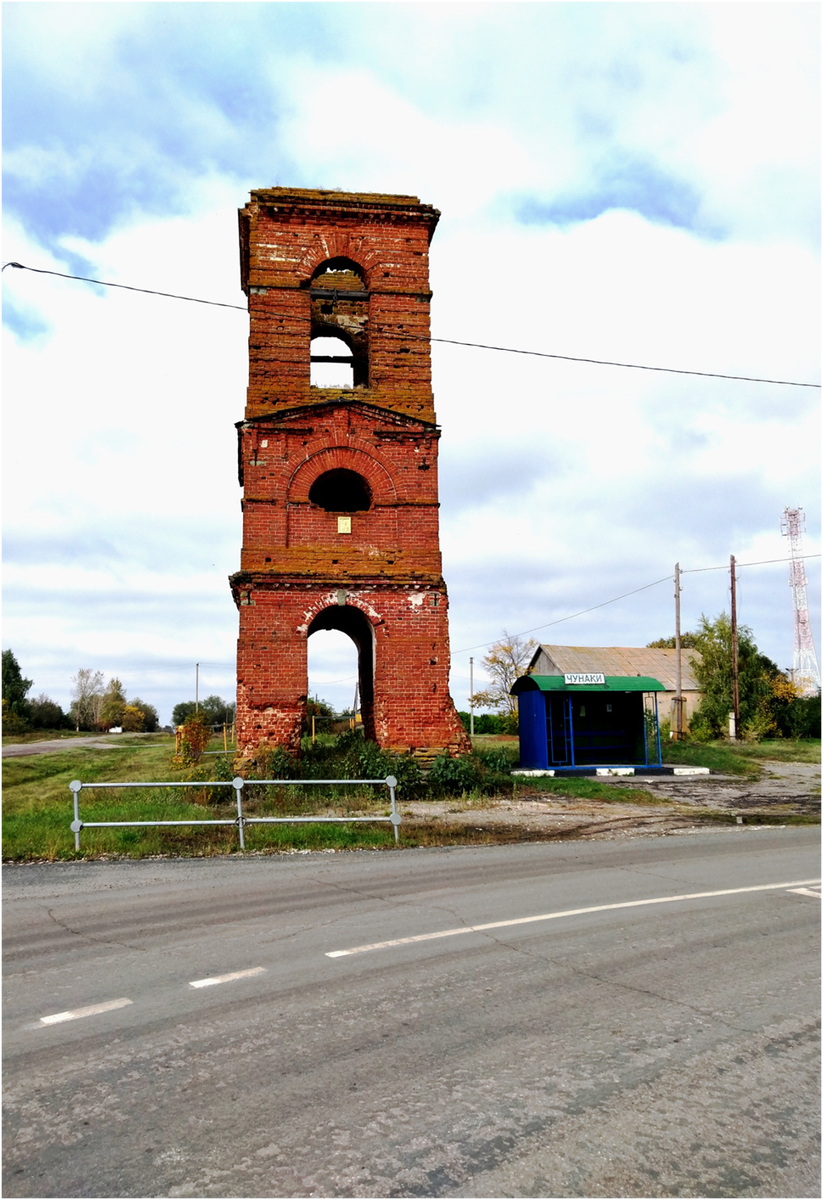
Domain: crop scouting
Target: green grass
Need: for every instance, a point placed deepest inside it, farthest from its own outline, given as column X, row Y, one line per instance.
column 583, row 788
column 719, row 757
column 741, row 758
column 509, row 746
column 38, row 807
column 805, row 750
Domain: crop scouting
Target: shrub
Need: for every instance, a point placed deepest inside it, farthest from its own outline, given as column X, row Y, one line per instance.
column 194, row 738
column 802, row 717
column 351, row 756
column 480, row 774
column 13, row 723
column 274, row 762
column 701, row 729
column 758, row 726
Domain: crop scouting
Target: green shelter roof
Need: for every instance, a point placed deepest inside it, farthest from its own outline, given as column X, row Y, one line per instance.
column 611, row 683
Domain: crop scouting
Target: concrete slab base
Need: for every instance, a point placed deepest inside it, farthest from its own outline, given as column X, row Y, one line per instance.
column 594, row 771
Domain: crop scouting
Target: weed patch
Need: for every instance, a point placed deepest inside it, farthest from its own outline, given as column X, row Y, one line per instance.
column 719, row 757
column 741, row 758
column 583, row 788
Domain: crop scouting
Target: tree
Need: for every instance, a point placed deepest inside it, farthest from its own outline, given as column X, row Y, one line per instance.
column 15, row 688
column 486, row 723
column 214, row 710
column 506, row 661
column 112, row 705
column 132, row 719
column 46, row 714
column 688, row 641
column 323, row 714
column 756, row 678
column 87, row 697
column 151, row 720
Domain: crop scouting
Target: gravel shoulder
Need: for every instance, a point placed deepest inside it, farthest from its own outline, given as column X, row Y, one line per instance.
column 784, row 793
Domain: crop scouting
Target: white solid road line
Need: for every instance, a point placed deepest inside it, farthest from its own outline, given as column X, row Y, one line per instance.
column 198, row 983
column 569, row 912
column 93, row 1009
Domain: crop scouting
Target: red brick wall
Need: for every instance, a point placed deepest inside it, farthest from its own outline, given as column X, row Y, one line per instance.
column 295, row 562
column 412, row 706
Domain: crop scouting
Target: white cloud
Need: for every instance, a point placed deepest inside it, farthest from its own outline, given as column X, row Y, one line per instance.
column 563, row 484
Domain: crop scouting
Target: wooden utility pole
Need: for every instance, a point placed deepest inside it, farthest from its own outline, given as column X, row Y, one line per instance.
column 735, row 683
column 471, row 697
column 678, row 695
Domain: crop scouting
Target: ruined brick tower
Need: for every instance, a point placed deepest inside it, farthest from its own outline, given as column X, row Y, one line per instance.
column 340, row 508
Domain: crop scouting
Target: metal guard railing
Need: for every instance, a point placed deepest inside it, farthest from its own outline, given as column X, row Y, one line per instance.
column 240, row 820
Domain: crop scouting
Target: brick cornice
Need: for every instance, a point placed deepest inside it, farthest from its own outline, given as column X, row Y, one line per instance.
column 282, row 416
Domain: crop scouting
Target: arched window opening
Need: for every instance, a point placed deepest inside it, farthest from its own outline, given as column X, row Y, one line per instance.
column 341, row 490
column 339, row 275
column 332, row 364
column 339, row 309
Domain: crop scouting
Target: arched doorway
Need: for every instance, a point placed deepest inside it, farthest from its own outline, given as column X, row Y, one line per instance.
column 332, row 664
column 350, row 620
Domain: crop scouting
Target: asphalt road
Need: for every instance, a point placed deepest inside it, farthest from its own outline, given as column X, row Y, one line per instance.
column 668, row 1047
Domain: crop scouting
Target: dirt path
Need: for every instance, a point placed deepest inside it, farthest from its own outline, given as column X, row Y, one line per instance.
column 103, row 742
column 781, row 783
column 658, row 805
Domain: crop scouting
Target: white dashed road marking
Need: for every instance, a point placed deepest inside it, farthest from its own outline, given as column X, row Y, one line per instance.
column 198, row 983
column 806, row 892
column 74, row 1014
column 569, row 912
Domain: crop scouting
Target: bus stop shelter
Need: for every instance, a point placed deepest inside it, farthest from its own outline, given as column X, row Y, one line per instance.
column 588, row 720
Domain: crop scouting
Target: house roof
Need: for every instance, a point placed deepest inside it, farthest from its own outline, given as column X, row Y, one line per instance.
column 611, row 683
column 618, row 660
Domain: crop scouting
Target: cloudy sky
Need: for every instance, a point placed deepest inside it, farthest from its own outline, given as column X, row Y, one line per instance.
column 629, row 182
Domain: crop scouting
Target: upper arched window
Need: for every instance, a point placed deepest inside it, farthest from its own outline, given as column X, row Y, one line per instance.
column 339, row 275
column 341, row 490
column 339, row 309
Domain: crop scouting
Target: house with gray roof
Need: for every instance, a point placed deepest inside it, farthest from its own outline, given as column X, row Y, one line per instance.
column 628, row 660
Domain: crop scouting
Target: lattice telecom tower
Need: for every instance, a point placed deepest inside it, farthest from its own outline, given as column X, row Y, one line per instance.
column 806, row 673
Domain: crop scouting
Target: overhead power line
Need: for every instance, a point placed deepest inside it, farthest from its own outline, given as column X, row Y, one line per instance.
column 644, row 588
column 762, row 563
column 571, row 616
column 605, row 362
column 126, row 287
column 600, row 362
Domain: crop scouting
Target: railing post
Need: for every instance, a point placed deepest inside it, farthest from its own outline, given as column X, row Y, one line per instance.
column 391, row 784
column 76, row 824
column 238, row 783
